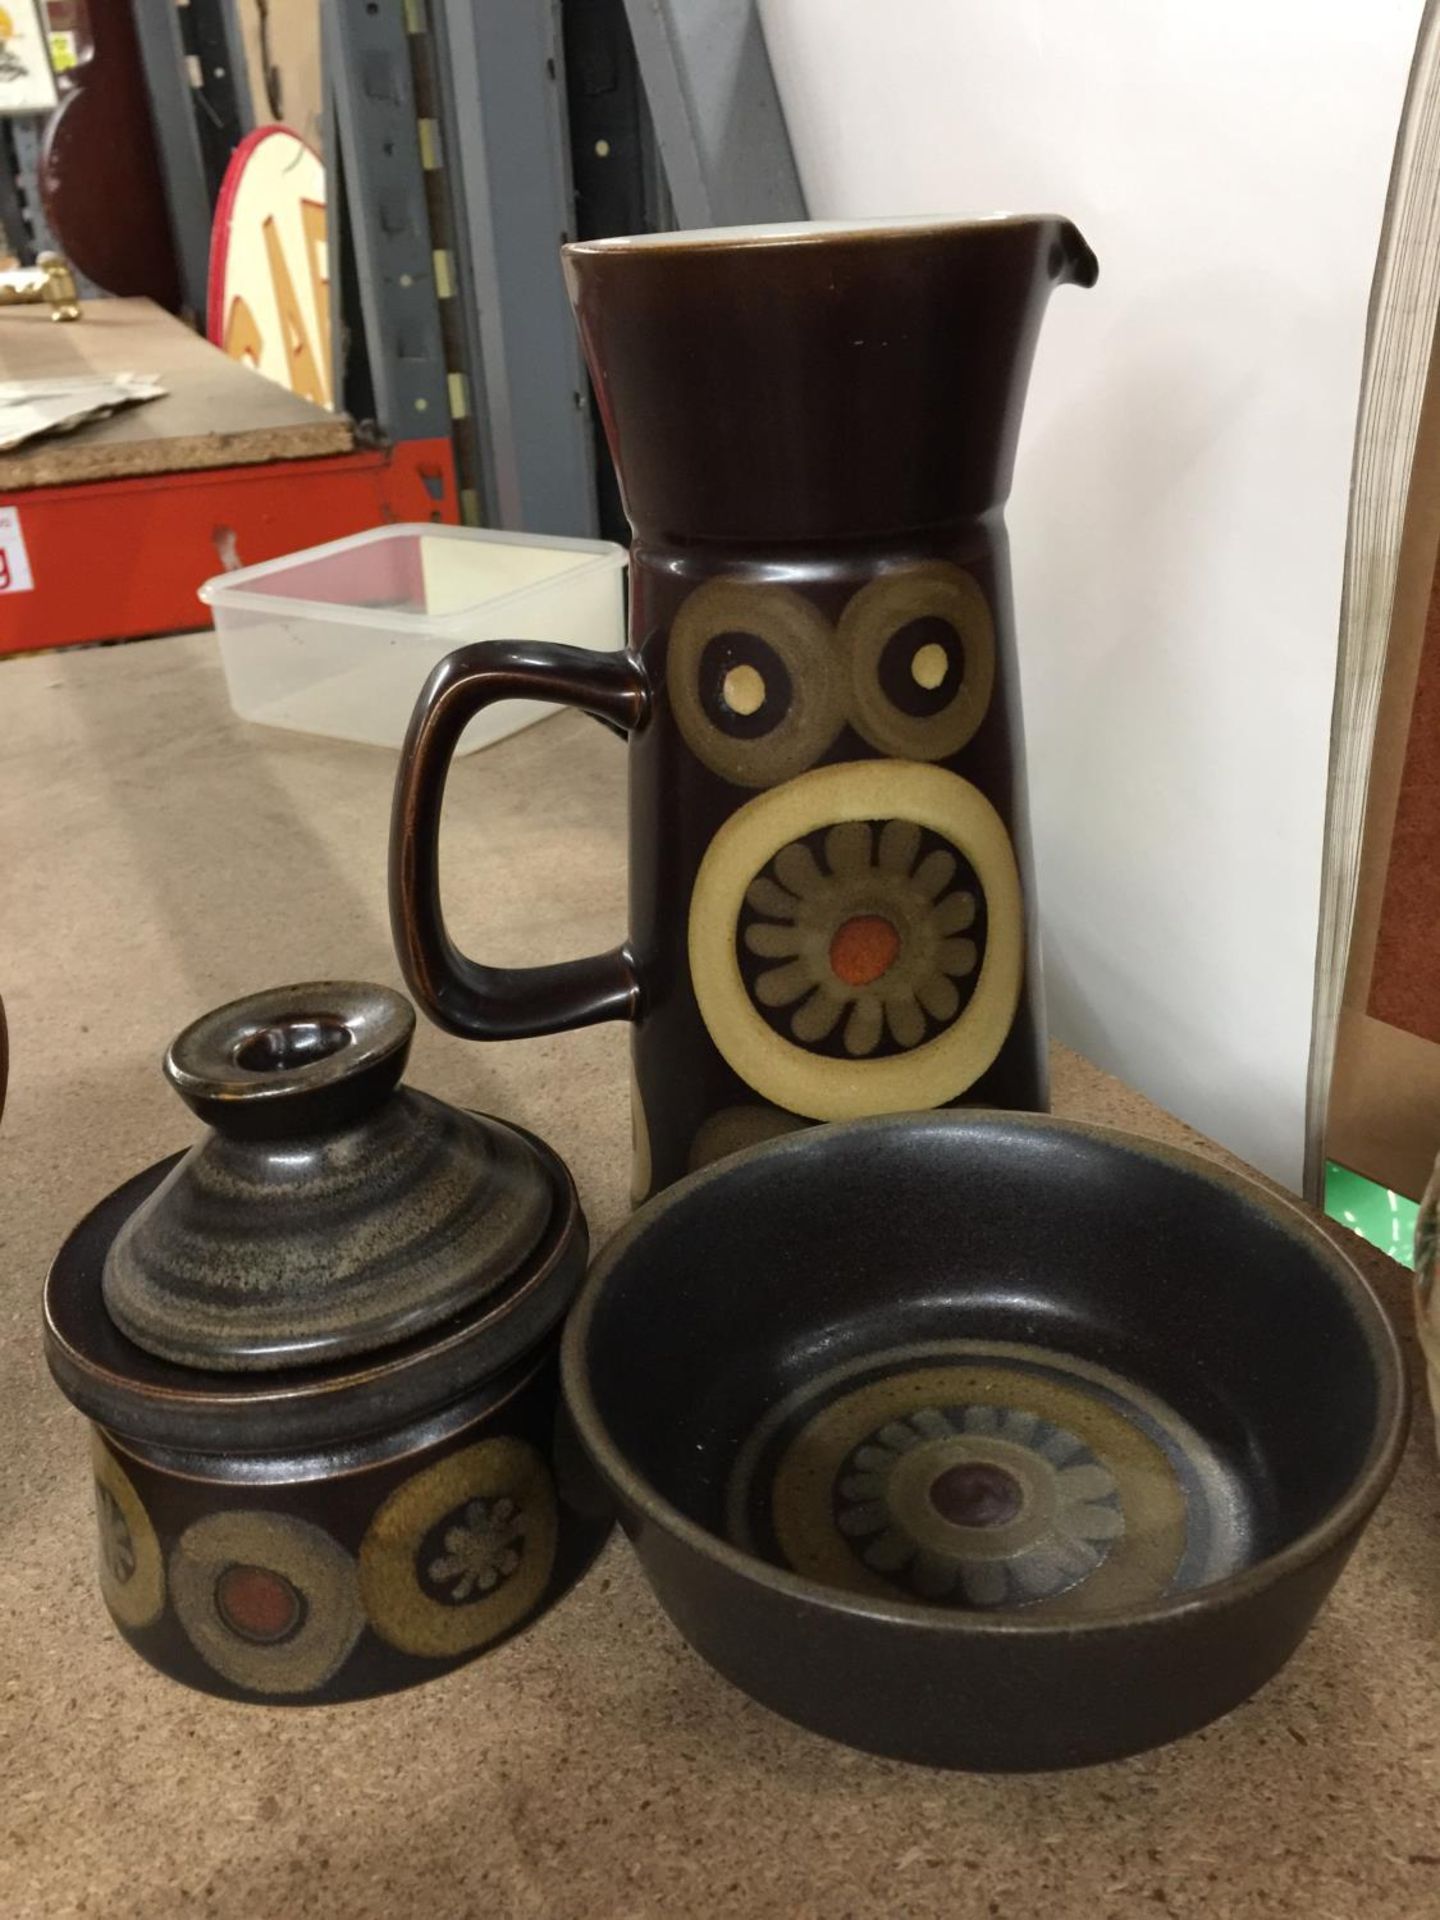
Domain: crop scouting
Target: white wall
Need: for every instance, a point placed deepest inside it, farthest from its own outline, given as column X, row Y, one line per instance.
column 1178, row 521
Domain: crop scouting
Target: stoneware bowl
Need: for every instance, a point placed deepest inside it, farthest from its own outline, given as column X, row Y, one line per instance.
column 983, row 1440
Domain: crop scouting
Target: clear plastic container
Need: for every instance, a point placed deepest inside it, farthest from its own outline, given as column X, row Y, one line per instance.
column 339, row 639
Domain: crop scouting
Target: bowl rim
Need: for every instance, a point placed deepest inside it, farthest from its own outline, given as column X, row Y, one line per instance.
column 1346, row 1516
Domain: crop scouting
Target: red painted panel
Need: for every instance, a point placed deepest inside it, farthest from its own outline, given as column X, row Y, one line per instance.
column 123, row 558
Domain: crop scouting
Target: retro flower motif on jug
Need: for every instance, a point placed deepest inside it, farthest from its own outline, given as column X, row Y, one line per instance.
column 461, row 1552
column 878, row 936
column 856, row 939
column 856, row 930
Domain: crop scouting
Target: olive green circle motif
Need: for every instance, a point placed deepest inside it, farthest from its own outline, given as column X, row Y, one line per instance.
column 904, row 1429
column 132, row 1568
column 790, row 1074
column 732, row 1129
column 444, row 1597
column 874, row 615
column 804, row 643
column 315, row 1566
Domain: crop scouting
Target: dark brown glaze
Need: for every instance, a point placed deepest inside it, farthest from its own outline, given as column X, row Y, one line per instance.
column 688, row 804
column 801, row 422
column 838, row 386
column 318, row 1352
column 1004, row 1486
column 358, row 1534
column 123, row 1387
column 342, row 1482
column 331, row 1212
column 495, row 1003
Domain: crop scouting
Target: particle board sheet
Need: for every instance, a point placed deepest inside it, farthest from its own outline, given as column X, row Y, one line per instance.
column 162, row 856
column 215, row 413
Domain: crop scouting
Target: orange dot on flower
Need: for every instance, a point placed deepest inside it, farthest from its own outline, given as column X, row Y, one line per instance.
column 862, row 949
column 256, row 1602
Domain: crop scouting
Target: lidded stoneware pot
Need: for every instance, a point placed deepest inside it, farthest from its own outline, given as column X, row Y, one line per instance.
column 319, row 1354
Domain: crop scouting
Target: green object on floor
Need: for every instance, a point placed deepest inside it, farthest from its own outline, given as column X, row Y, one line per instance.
column 1385, row 1219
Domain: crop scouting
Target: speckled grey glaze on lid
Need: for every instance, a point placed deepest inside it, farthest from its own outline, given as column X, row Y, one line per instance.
column 331, row 1212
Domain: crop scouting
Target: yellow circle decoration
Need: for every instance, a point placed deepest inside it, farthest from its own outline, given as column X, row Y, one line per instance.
column 734, row 1128
column 268, row 1600
column 933, row 590
column 928, row 667
column 462, row 1552
column 132, row 1569
column 790, row 1075
column 806, row 694
column 743, row 691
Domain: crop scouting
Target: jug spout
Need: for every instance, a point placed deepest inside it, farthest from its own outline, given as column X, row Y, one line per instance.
column 1073, row 261
column 817, row 381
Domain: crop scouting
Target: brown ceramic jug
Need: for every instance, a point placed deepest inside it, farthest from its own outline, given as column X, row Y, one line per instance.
column 830, row 877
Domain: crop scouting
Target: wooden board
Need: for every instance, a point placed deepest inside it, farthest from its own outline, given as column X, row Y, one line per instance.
column 216, row 413
column 1383, row 1116
column 289, row 47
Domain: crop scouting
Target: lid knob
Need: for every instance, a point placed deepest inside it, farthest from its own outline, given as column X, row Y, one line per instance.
column 293, row 1060
column 330, row 1211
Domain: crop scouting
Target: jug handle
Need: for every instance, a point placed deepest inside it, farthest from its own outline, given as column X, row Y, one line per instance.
column 461, row 994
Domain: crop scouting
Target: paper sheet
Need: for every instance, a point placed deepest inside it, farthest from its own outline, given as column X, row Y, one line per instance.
column 31, row 408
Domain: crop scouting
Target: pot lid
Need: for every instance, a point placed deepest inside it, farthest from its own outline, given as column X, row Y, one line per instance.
column 331, row 1212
